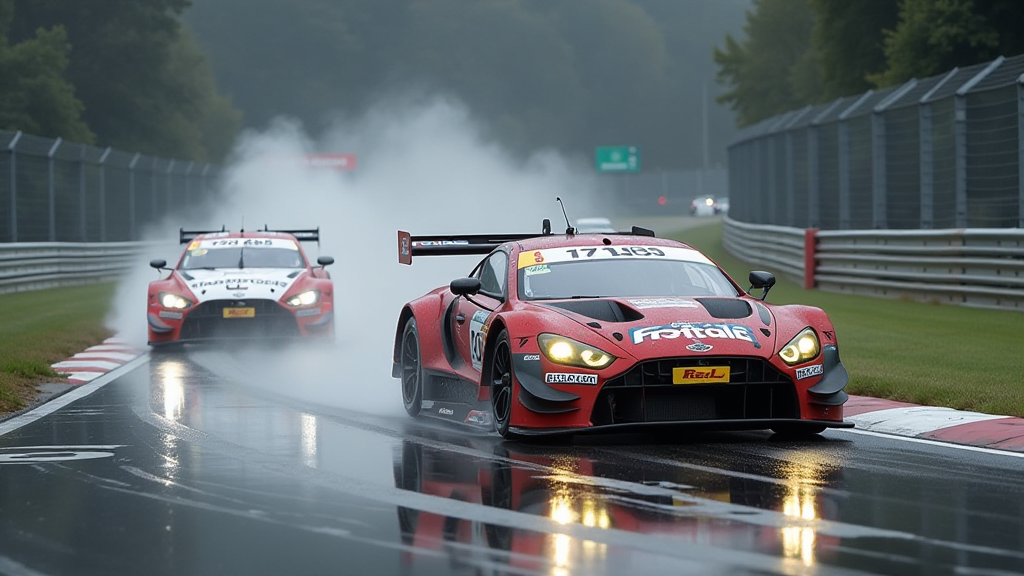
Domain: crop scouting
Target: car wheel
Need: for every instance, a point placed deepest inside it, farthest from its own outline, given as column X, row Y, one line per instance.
column 412, row 371
column 501, row 385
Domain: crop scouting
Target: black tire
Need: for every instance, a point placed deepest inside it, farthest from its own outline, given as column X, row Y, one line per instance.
column 412, row 370
column 502, row 390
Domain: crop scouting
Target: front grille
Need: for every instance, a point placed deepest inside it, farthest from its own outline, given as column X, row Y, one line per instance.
column 207, row 321
column 756, row 390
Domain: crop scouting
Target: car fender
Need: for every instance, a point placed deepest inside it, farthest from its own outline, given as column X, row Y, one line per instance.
column 428, row 311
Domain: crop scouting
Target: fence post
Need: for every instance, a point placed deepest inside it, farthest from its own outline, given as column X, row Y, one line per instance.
column 810, row 257
column 103, row 194
column 927, row 165
column 170, row 168
column 844, row 175
column 51, row 193
column 1020, row 151
column 83, row 236
column 879, row 217
column 790, row 187
column 960, row 154
column 131, row 196
column 772, row 188
column 14, row 185
column 153, row 194
column 188, row 175
column 813, row 184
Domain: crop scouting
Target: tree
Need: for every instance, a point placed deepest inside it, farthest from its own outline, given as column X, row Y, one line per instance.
column 848, row 41
column 769, row 71
column 933, row 37
column 34, row 95
column 144, row 88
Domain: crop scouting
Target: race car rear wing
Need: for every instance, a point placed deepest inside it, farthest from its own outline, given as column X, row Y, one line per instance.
column 311, row 235
column 451, row 245
column 459, row 245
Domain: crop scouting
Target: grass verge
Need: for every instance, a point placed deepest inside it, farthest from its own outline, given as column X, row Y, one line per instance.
column 40, row 328
column 963, row 358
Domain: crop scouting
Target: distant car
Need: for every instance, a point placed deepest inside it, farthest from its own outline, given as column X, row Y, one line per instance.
column 568, row 333
column 594, row 225
column 722, row 206
column 242, row 285
column 703, row 206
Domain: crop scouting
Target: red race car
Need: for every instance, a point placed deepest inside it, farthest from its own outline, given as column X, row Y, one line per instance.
column 242, row 285
column 572, row 333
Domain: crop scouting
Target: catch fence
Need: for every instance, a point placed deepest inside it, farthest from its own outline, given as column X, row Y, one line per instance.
column 943, row 152
column 57, row 191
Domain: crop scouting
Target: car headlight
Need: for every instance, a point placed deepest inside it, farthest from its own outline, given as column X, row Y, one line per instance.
column 803, row 348
column 562, row 350
column 305, row 298
column 168, row 300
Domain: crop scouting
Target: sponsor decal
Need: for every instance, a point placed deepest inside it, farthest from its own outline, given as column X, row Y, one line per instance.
column 477, row 336
column 538, row 269
column 404, row 250
column 246, row 243
column 440, row 242
column 523, row 341
column 699, row 347
column 809, row 371
column 577, row 253
column 309, row 312
column 694, row 331
column 564, row 378
column 446, row 411
column 531, row 357
column 830, row 334
column 236, row 283
column 701, row 375
column 171, row 315
column 644, row 303
column 239, row 312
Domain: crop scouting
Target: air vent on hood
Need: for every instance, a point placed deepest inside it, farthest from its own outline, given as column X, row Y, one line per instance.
column 723, row 308
column 606, row 310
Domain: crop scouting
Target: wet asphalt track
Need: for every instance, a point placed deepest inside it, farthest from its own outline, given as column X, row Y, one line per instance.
column 173, row 468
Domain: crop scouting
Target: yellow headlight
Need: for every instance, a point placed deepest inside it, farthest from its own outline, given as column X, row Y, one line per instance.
column 562, row 350
column 304, row 299
column 168, row 300
column 803, row 348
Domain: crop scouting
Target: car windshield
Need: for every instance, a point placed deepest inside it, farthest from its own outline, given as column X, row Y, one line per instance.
column 241, row 257
column 623, row 275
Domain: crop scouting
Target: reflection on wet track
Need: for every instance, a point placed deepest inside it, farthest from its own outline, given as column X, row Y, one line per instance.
column 189, row 465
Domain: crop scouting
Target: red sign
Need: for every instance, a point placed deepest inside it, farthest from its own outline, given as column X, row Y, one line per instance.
column 340, row 162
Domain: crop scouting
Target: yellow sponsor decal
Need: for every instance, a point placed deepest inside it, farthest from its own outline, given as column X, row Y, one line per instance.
column 193, row 245
column 701, row 375
column 531, row 258
column 239, row 312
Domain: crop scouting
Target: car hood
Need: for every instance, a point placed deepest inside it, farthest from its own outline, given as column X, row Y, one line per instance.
column 234, row 283
column 669, row 327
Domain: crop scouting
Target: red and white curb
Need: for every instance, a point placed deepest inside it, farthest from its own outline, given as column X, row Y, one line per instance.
column 934, row 423
column 96, row 361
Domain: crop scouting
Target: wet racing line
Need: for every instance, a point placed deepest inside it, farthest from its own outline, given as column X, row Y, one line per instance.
column 184, row 465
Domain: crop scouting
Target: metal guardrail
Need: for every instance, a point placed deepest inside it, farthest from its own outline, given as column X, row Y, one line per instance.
column 39, row 265
column 970, row 267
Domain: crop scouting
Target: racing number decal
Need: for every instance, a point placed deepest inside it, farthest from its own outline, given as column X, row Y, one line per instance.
column 622, row 251
column 477, row 336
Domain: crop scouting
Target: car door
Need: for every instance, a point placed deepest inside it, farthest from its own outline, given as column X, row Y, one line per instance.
column 473, row 313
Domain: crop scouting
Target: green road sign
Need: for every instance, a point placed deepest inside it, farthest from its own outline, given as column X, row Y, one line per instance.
column 618, row 159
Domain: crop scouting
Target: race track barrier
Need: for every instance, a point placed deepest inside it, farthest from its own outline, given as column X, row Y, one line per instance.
column 38, row 265
column 968, row 267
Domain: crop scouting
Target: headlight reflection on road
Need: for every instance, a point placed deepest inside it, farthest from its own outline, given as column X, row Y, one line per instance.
column 172, row 380
column 799, row 541
column 308, row 424
column 572, row 503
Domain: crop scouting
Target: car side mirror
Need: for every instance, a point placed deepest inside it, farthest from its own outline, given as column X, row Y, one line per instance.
column 760, row 279
column 158, row 264
column 325, row 261
column 465, row 286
